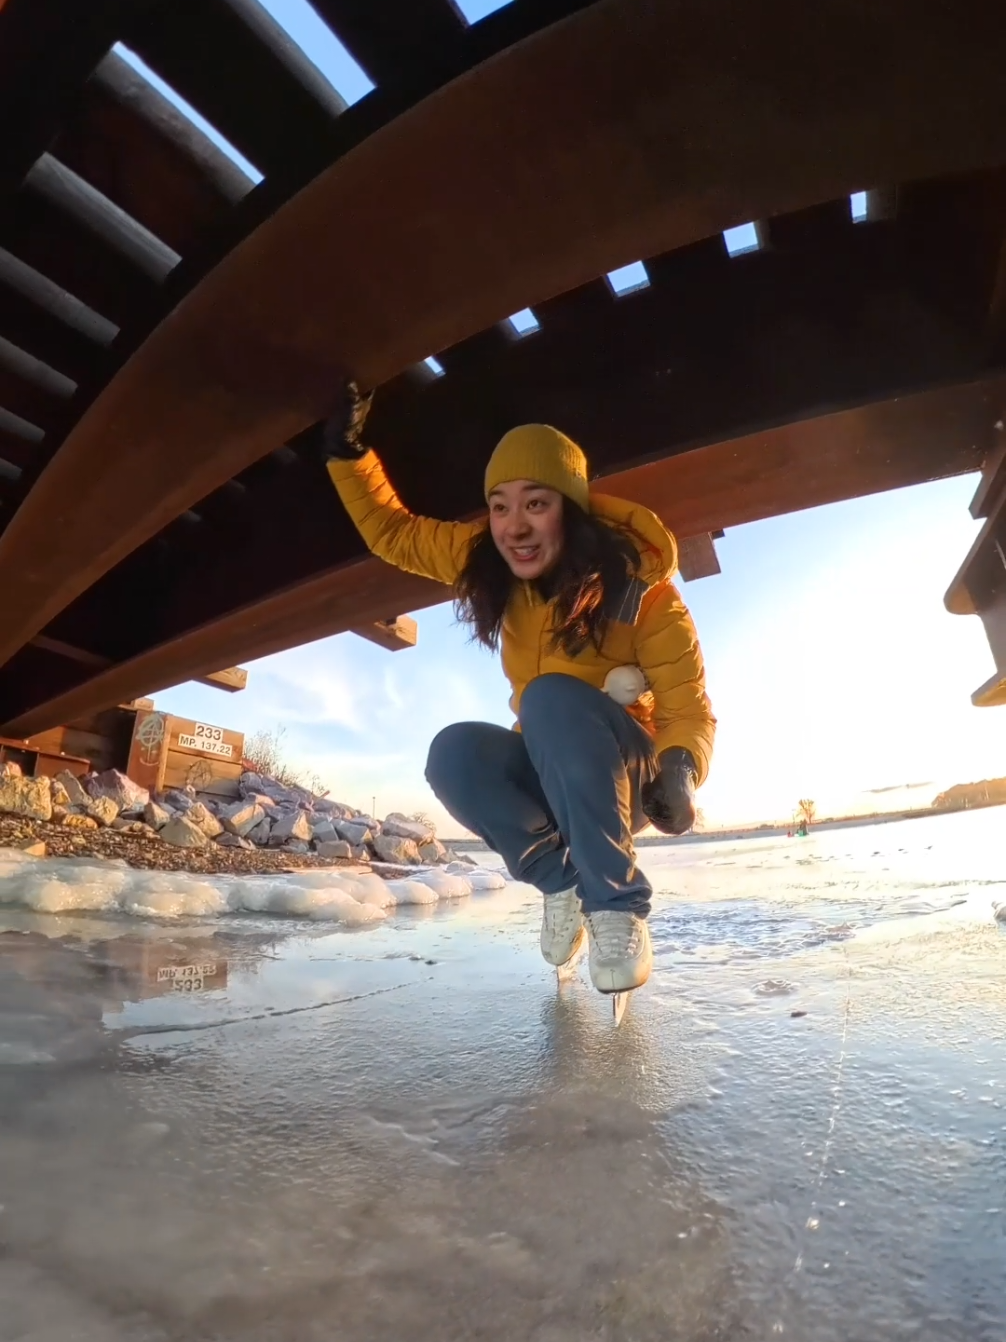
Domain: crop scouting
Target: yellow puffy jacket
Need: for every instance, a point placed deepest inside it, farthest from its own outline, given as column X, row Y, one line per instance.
column 654, row 631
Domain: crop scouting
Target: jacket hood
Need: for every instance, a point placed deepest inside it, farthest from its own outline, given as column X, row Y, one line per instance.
column 658, row 550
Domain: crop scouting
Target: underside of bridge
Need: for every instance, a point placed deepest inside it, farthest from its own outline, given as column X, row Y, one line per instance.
column 172, row 328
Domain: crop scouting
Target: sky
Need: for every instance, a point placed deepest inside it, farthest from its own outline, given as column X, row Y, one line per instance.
column 834, row 671
column 833, row 668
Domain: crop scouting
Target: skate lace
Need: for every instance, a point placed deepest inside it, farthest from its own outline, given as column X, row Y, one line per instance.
column 615, row 933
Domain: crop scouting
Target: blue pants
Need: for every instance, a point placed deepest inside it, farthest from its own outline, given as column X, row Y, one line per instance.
column 559, row 800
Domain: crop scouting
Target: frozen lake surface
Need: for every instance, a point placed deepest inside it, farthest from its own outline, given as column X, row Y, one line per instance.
column 241, row 1126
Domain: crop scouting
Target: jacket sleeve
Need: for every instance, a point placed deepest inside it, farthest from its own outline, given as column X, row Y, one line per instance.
column 669, row 655
column 420, row 545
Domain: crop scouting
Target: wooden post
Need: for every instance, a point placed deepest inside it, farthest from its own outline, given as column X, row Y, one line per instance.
column 148, row 750
column 697, row 557
column 234, row 678
column 394, row 634
column 171, row 752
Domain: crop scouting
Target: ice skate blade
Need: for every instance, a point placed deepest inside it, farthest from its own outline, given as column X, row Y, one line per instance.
column 569, row 971
column 619, row 1001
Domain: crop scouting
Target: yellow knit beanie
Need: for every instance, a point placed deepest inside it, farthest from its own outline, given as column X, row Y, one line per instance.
column 537, row 452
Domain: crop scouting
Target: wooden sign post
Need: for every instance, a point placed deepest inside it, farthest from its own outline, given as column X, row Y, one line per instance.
column 169, row 752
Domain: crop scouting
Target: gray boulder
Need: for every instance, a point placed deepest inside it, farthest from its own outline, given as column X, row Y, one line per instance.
column 179, row 799
column 323, row 831
column 234, row 841
column 242, row 817
column 292, row 825
column 353, row 831
column 360, row 854
column 71, row 785
column 183, row 833
column 156, row 816
column 103, row 809
column 260, row 834
column 126, row 825
column 199, row 815
column 401, row 828
column 334, row 848
column 333, row 808
column 255, row 785
column 29, row 797
column 433, row 852
column 260, row 799
column 459, row 858
column 390, row 848
column 249, row 782
column 296, row 846
column 127, row 795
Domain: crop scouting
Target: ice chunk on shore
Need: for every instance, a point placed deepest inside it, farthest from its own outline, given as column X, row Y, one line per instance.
column 163, row 894
column 287, row 897
column 480, row 879
column 95, row 885
column 410, row 890
column 444, row 885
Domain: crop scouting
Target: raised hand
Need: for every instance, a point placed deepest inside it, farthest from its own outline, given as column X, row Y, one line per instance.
column 342, row 434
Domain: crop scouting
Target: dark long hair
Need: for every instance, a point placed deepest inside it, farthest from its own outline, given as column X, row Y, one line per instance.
column 596, row 561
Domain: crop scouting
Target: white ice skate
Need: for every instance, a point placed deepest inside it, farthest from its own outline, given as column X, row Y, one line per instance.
column 562, row 931
column 621, row 955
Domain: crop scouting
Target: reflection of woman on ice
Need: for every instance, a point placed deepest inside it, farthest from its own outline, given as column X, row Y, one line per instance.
column 571, row 585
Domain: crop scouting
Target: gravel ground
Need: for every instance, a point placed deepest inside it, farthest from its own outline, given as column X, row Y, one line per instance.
column 141, row 850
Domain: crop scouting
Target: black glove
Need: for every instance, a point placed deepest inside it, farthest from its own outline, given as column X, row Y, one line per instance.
column 343, row 430
column 669, row 800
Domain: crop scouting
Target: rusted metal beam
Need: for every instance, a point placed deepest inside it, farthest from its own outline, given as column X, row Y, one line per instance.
column 840, row 456
column 214, row 53
column 400, row 43
column 94, row 660
column 991, row 491
column 833, row 315
column 482, row 225
column 48, row 240
column 887, row 445
column 233, row 679
column 15, row 447
column 41, row 334
column 332, row 602
column 136, row 148
column 48, row 48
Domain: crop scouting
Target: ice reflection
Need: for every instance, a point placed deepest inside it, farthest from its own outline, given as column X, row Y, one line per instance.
column 413, row 1131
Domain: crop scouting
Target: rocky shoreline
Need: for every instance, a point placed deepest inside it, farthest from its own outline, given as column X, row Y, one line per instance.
column 268, row 828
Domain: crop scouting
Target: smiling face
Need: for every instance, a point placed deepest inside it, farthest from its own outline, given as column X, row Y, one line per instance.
column 526, row 523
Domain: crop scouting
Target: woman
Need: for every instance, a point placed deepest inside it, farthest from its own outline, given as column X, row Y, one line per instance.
column 576, row 589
